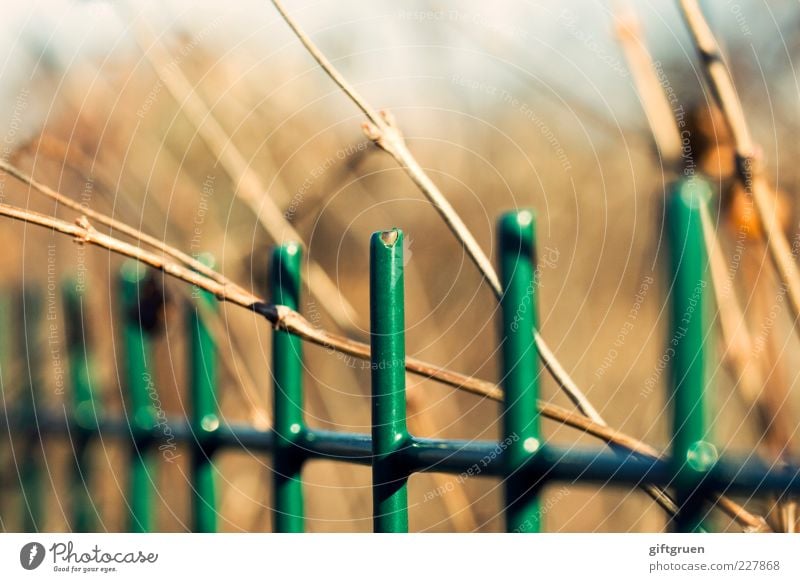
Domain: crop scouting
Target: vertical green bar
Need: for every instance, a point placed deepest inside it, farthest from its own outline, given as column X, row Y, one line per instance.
column 32, row 450
column 141, row 412
column 387, row 335
column 5, row 333
column 521, row 433
column 203, row 396
column 287, row 372
column 692, row 454
column 85, row 413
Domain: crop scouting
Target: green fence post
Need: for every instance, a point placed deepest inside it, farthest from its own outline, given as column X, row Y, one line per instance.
column 85, row 413
column 204, row 408
column 5, row 336
column 522, row 437
column 142, row 413
column 692, row 454
column 32, row 455
column 287, row 372
column 387, row 338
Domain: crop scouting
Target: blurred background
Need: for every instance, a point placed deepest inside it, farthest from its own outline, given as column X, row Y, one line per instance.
column 169, row 115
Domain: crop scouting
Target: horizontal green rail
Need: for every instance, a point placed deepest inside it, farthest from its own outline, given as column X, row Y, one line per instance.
column 521, row 458
column 736, row 475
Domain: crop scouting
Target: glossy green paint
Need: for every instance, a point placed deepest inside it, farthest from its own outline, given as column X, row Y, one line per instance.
column 142, row 414
column 30, row 451
column 287, row 373
column 521, row 434
column 387, row 338
column 86, row 412
column 692, row 451
column 6, row 333
column 204, row 406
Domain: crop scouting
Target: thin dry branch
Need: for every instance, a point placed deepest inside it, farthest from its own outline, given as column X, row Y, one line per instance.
column 381, row 128
column 110, row 222
column 656, row 106
column 748, row 167
column 209, row 318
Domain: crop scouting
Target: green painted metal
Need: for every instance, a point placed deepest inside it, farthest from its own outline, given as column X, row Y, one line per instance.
column 86, row 411
column 521, row 434
column 204, row 408
column 30, row 454
column 736, row 474
column 387, row 338
column 5, row 399
column 692, row 451
column 287, row 372
column 142, row 414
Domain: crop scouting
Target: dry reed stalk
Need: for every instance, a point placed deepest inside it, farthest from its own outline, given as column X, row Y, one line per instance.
column 248, row 186
column 738, row 345
column 666, row 135
column 773, row 399
column 748, row 167
column 656, row 107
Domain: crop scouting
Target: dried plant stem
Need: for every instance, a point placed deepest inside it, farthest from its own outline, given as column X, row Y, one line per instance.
column 748, row 167
column 651, row 95
column 381, row 128
column 248, row 186
column 110, row 222
column 666, row 135
column 738, row 344
column 287, row 319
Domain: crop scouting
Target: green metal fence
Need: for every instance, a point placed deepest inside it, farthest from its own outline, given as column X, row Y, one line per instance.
column 693, row 471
